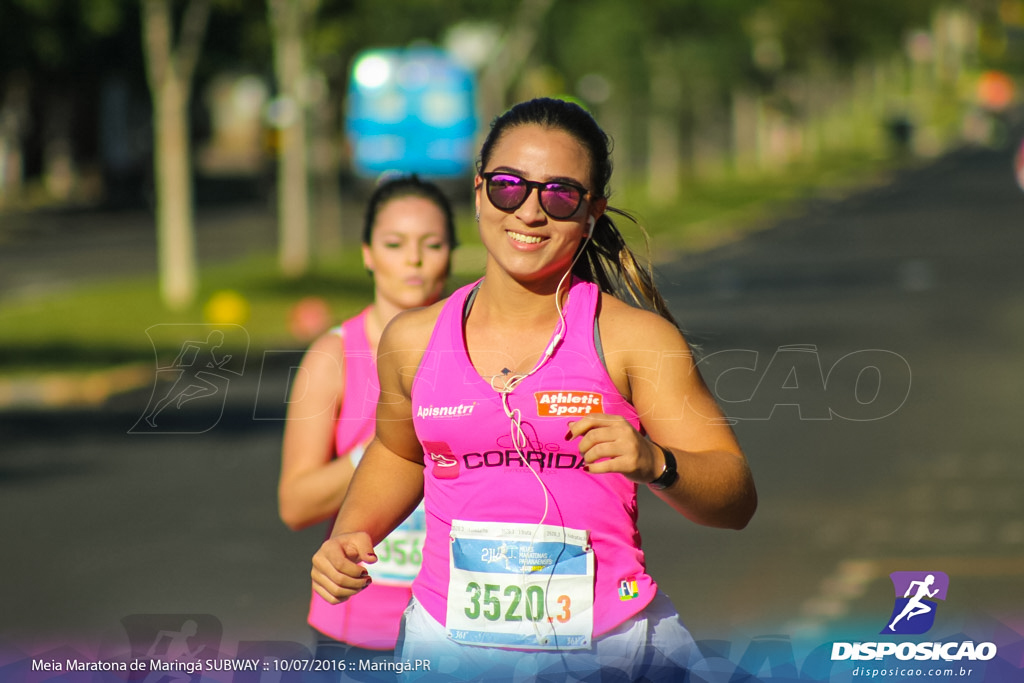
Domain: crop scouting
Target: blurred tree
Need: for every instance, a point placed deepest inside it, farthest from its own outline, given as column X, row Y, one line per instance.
column 169, row 68
column 510, row 55
column 662, row 76
column 667, row 65
column 290, row 20
column 43, row 86
column 675, row 68
column 845, row 31
column 312, row 59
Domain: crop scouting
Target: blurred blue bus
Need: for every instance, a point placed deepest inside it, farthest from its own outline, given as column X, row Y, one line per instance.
column 410, row 110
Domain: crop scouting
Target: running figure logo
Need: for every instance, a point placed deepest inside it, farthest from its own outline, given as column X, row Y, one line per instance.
column 173, row 646
column 916, row 592
column 198, row 376
column 502, row 556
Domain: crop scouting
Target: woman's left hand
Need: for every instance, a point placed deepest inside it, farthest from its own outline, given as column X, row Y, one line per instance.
column 609, row 443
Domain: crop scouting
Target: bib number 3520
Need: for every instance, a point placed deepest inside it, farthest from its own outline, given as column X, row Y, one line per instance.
column 521, row 586
column 495, row 602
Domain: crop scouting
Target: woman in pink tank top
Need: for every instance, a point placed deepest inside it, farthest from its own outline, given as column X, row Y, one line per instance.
column 408, row 236
column 525, row 410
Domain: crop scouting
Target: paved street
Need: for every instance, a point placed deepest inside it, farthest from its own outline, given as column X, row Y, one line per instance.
column 869, row 350
column 910, row 300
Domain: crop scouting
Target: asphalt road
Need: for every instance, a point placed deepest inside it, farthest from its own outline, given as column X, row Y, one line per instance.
column 869, row 351
column 901, row 310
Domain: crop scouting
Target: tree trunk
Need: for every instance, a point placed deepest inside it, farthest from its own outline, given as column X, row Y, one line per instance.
column 169, row 72
column 328, row 217
column 15, row 115
column 287, row 18
column 176, row 253
column 510, row 55
column 663, row 144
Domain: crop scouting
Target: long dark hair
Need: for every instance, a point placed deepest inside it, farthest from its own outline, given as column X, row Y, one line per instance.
column 608, row 261
column 398, row 186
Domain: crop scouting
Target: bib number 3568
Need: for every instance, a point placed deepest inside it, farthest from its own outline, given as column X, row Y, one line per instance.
column 400, row 555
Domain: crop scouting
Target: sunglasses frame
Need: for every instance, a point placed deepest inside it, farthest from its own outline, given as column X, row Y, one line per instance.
column 585, row 194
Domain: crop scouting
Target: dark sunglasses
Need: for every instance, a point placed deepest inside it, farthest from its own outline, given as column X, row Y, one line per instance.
column 559, row 199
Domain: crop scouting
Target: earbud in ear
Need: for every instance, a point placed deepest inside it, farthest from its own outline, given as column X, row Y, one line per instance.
column 590, row 225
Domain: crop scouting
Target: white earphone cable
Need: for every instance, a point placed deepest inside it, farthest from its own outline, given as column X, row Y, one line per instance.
column 516, row 431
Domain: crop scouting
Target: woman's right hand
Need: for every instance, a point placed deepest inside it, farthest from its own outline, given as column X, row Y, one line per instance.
column 338, row 571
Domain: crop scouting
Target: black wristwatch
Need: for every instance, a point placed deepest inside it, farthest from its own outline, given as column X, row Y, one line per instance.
column 669, row 475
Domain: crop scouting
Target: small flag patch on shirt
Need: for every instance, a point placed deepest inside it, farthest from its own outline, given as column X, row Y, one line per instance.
column 628, row 589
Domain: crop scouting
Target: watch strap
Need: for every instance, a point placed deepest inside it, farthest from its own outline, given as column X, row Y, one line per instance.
column 669, row 474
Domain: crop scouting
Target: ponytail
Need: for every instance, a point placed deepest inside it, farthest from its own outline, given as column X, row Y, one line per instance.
column 614, row 268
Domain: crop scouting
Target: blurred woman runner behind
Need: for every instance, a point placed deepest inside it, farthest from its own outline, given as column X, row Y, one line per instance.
column 526, row 409
column 408, row 236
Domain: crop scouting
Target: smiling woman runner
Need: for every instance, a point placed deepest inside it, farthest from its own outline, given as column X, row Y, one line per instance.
column 408, row 235
column 526, row 409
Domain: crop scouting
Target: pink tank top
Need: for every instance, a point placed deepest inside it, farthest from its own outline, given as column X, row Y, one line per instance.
column 473, row 472
column 370, row 618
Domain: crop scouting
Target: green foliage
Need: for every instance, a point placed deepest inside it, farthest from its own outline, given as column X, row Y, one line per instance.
column 845, row 31
column 45, row 34
column 707, row 40
column 599, row 37
column 103, row 17
column 709, row 48
column 712, row 44
column 345, row 27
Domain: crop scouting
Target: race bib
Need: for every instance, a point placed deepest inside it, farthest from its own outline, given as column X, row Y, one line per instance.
column 400, row 555
column 524, row 586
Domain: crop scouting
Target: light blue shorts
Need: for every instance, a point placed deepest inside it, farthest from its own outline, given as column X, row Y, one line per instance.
column 652, row 646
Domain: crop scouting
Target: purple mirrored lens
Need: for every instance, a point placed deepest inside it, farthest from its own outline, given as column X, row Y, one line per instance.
column 507, row 191
column 560, row 201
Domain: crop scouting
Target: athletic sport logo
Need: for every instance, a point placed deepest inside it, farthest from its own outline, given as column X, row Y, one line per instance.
column 916, row 593
column 563, row 403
